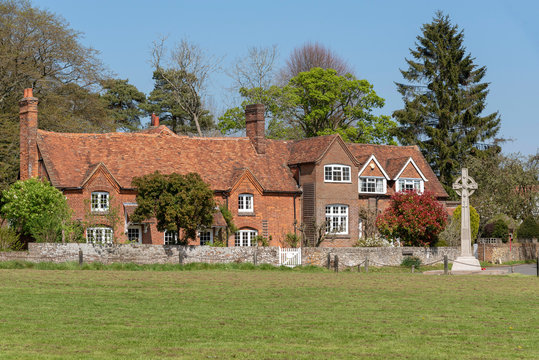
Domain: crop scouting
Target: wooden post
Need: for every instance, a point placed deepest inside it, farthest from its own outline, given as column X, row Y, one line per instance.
column 413, row 268
column 512, row 270
column 80, row 257
column 538, row 265
column 336, row 263
column 446, row 265
column 358, row 268
column 367, row 265
column 329, row 260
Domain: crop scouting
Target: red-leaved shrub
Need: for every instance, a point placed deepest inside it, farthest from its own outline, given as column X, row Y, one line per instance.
column 414, row 219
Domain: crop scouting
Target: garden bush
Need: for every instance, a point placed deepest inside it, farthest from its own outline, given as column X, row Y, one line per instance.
column 408, row 261
column 9, row 239
column 529, row 228
column 415, row 219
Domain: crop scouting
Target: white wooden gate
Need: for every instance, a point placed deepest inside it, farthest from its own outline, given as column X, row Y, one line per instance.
column 289, row 257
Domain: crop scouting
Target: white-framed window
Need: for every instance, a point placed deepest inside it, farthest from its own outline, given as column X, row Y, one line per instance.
column 336, row 173
column 134, row 233
column 171, row 237
column 99, row 235
column 360, row 228
column 100, row 201
column 337, row 219
column 375, row 185
column 206, row 237
column 245, row 237
column 410, row 184
column 245, row 203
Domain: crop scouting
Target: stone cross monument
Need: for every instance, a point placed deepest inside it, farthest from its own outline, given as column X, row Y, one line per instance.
column 465, row 186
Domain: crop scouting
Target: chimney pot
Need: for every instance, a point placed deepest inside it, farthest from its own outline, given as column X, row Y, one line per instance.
column 28, row 135
column 155, row 120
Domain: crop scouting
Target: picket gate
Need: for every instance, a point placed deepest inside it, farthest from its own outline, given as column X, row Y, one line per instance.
column 289, row 257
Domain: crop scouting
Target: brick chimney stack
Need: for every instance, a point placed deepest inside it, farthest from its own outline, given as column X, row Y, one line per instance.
column 28, row 135
column 155, row 120
column 255, row 126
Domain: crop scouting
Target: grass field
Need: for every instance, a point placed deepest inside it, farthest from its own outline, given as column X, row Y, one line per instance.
column 215, row 314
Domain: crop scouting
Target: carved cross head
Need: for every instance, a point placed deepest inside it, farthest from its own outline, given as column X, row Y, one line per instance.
column 464, row 185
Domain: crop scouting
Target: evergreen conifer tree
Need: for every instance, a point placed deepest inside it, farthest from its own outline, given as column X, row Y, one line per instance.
column 444, row 100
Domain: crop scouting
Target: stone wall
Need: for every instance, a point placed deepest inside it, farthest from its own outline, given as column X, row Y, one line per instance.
column 378, row 256
column 499, row 253
column 143, row 254
column 152, row 254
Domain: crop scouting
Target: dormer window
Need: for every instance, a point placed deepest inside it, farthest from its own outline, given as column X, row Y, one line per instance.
column 375, row 185
column 100, row 201
column 336, row 173
column 245, row 203
column 410, row 185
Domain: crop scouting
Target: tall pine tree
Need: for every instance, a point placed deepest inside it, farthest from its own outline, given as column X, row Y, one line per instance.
column 444, row 100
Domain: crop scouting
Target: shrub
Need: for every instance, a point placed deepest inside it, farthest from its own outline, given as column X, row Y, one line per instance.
column 36, row 208
column 414, row 219
column 9, row 239
column 529, row 228
column 292, row 240
column 408, row 261
column 474, row 220
column 500, row 230
column 261, row 241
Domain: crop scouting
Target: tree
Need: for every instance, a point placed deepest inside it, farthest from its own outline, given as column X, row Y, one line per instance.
column 310, row 56
column 451, row 234
column 124, row 102
column 36, row 208
column 444, row 100
column 256, row 70
column 39, row 50
column 162, row 102
column 413, row 219
column 186, row 73
column 318, row 102
column 506, row 185
column 177, row 202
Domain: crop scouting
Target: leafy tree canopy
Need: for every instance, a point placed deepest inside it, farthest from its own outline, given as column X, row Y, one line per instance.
column 444, row 99
column 177, row 202
column 317, row 102
column 124, row 102
column 39, row 50
column 32, row 205
column 506, row 185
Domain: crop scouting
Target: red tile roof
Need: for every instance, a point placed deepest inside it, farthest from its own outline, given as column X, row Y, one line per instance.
column 391, row 157
column 70, row 158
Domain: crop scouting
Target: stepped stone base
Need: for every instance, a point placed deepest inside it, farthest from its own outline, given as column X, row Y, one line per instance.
column 466, row 263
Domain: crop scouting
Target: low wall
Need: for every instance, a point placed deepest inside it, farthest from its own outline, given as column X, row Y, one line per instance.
column 152, row 254
column 499, row 253
column 378, row 256
column 149, row 254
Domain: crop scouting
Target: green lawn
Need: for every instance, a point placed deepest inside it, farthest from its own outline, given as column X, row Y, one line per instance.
column 210, row 314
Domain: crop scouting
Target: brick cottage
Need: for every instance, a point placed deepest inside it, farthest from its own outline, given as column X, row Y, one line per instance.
column 272, row 187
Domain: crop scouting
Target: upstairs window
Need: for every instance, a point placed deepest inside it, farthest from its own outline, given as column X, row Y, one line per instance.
column 171, row 238
column 372, row 185
column 245, row 238
column 336, row 173
column 100, row 201
column 410, row 185
column 99, row 235
column 245, row 203
column 337, row 219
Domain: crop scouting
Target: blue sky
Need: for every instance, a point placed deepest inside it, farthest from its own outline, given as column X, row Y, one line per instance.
column 372, row 36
